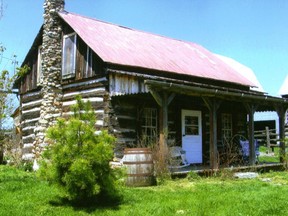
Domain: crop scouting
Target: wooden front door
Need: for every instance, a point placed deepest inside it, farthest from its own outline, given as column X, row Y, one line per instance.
column 192, row 135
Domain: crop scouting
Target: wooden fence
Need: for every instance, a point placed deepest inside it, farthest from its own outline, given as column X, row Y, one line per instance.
column 269, row 137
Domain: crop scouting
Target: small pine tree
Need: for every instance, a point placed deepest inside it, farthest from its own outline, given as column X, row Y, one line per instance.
column 77, row 159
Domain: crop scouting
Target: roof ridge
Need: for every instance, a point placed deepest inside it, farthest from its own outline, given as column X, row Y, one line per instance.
column 128, row 28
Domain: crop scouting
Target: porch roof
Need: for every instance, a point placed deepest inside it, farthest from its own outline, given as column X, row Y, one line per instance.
column 124, row 46
column 263, row 102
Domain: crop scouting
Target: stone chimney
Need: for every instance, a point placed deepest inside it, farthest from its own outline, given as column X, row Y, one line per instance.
column 51, row 68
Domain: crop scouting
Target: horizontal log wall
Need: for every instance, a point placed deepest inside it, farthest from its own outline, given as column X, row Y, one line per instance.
column 123, row 111
column 91, row 90
column 125, row 120
column 29, row 118
column 123, row 123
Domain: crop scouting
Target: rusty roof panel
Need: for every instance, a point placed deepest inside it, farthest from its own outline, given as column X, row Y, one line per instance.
column 124, row 46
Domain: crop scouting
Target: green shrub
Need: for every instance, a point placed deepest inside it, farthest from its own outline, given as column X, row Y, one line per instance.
column 77, row 159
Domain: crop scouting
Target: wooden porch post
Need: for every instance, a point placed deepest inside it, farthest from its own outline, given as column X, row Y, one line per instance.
column 281, row 114
column 252, row 151
column 213, row 106
column 163, row 126
column 163, row 101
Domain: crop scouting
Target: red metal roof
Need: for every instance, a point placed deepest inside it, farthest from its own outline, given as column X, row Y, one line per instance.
column 124, row 46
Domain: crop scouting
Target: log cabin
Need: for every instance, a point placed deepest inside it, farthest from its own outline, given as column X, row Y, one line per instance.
column 145, row 88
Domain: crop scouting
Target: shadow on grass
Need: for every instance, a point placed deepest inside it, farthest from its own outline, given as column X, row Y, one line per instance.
column 90, row 205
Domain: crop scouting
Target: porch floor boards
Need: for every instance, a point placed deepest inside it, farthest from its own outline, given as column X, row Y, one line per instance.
column 206, row 170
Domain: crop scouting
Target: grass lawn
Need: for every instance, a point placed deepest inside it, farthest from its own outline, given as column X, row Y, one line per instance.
column 23, row 194
column 269, row 158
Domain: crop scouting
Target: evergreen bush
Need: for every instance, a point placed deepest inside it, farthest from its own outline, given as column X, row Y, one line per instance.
column 77, row 159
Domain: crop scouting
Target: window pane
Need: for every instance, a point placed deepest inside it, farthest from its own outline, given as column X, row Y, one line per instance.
column 191, row 120
column 69, row 55
column 191, row 125
column 190, row 130
column 226, row 127
column 89, row 62
column 149, row 126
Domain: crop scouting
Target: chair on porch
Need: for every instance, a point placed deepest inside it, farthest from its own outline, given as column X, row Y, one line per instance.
column 177, row 157
column 245, row 150
column 243, row 143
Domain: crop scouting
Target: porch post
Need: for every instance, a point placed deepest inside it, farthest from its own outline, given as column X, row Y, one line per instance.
column 281, row 114
column 163, row 126
column 163, row 101
column 252, row 155
column 213, row 106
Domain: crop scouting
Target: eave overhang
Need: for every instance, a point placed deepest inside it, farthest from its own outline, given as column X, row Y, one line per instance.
column 263, row 102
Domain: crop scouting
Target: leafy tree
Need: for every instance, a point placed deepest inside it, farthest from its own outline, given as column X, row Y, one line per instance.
column 6, row 102
column 77, row 159
column 6, row 84
column 4, row 108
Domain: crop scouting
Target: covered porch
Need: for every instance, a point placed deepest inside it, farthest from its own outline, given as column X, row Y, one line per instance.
column 216, row 101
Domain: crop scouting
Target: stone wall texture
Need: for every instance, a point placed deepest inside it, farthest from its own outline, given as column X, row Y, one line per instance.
column 51, row 89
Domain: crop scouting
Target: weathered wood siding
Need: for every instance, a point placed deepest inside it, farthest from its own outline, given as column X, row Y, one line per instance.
column 87, row 66
column 120, row 84
column 125, row 119
column 127, row 98
column 29, row 81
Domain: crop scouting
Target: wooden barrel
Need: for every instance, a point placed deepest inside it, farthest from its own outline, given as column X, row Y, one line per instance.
column 140, row 167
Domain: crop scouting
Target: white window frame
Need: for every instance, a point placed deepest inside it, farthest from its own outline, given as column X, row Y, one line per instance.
column 89, row 57
column 149, row 131
column 69, row 72
column 39, row 66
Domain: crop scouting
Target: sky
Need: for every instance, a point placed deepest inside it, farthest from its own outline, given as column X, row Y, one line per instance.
column 252, row 32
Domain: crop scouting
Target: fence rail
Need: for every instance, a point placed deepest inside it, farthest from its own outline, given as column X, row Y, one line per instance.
column 269, row 137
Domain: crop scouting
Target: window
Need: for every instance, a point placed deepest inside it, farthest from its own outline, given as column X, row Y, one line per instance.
column 69, row 56
column 226, row 120
column 149, row 126
column 89, row 62
column 191, row 125
column 39, row 65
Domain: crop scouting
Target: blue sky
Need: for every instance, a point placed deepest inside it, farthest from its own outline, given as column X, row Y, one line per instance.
column 253, row 32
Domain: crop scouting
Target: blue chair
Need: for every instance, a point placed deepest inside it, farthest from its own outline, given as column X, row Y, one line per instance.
column 245, row 150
